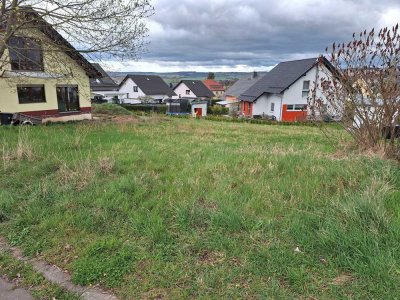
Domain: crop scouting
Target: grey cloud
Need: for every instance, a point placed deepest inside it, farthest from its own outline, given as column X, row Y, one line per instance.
column 255, row 32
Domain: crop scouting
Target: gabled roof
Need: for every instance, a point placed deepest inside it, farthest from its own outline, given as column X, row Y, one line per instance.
column 59, row 40
column 105, row 83
column 213, row 85
column 280, row 78
column 242, row 85
column 197, row 87
column 150, row 84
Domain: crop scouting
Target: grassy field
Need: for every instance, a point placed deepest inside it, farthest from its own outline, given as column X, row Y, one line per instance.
column 180, row 208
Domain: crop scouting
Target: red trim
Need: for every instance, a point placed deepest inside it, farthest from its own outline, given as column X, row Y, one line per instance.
column 55, row 113
column 293, row 116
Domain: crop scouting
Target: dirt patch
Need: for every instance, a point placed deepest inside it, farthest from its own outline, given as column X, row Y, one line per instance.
column 342, row 280
column 211, row 258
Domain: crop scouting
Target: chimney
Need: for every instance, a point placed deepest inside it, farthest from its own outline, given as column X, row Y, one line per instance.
column 255, row 74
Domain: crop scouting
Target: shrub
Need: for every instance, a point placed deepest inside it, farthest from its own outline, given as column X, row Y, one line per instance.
column 220, row 118
column 217, row 110
column 109, row 109
column 147, row 108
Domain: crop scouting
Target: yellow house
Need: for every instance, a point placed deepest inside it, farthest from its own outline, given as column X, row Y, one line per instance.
column 43, row 76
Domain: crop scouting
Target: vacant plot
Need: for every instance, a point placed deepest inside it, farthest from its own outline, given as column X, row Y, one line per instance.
column 179, row 208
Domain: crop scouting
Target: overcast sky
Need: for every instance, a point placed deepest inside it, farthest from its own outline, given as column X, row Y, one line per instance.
column 247, row 35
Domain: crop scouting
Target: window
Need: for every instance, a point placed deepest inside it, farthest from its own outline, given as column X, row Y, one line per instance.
column 31, row 94
column 296, row 107
column 306, row 88
column 187, row 92
column 25, row 54
column 272, row 106
column 67, row 98
column 135, row 89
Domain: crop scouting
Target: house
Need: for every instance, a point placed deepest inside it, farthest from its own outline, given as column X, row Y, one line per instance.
column 215, row 87
column 43, row 75
column 149, row 88
column 193, row 89
column 104, row 88
column 239, row 87
column 283, row 93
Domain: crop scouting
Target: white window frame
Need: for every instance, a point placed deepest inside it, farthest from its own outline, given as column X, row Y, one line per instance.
column 306, row 90
column 135, row 89
column 272, row 108
column 296, row 107
column 187, row 92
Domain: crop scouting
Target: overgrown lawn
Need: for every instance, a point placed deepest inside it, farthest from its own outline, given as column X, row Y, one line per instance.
column 181, row 208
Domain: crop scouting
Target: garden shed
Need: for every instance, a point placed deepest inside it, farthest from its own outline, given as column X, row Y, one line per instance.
column 199, row 109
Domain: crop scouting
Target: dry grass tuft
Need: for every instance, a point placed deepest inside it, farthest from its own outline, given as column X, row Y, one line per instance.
column 24, row 149
column 106, row 165
column 82, row 172
column 342, row 280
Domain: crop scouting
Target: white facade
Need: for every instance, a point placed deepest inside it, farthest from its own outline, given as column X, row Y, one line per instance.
column 291, row 96
column 202, row 106
column 268, row 104
column 132, row 93
column 182, row 91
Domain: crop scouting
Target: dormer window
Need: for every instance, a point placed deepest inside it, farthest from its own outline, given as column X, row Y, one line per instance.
column 25, row 54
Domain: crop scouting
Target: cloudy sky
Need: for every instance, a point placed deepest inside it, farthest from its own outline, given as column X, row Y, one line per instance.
column 247, row 35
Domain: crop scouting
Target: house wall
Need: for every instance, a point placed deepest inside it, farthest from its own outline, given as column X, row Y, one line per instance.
column 218, row 94
column 181, row 90
column 230, row 98
column 203, row 107
column 127, row 88
column 263, row 106
column 293, row 95
column 56, row 64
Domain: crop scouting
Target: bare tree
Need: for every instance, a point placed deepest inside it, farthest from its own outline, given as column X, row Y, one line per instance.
column 363, row 89
column 101, row 29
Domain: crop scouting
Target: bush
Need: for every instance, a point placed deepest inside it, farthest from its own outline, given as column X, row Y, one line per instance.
column 147, row 108
column 220, row 118
column 109, row 109
column 217, row 110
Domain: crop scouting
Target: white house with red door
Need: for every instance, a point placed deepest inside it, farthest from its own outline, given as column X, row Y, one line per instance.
column 284, row 92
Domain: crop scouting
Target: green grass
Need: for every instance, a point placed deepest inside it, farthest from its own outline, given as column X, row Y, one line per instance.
column 24, row 275
column 181, row 208
column 110, row 109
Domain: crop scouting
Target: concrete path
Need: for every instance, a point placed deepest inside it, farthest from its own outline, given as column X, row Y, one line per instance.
column 9, row 291
column 58, row 276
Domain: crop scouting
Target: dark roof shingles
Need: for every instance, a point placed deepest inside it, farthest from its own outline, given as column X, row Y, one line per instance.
column 240, row 86
column 151, row 85
column 198, row 88
column 279, row 78
column 105, row 83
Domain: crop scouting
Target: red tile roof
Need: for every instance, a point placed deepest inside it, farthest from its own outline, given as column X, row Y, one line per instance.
column 213, row 85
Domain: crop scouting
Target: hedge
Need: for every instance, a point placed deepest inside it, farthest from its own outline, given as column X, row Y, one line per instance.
column 259, row 121
column 147, row 108
column 217, row 110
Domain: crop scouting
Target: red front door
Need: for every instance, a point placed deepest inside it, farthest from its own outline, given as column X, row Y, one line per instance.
column 247, row 109
column 198, row 112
